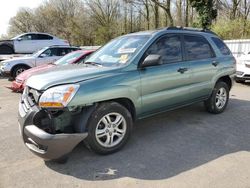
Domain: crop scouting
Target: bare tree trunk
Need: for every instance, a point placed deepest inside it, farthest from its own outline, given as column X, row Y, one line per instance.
column 187, row 13
column 156, row 12
column 234, row 9
column 179, row 12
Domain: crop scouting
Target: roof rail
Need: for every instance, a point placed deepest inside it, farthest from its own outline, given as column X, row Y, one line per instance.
column 190, row 29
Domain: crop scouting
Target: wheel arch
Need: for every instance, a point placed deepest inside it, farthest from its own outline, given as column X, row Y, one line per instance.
column 227, row 80
column 9, row 44
column 18, row 65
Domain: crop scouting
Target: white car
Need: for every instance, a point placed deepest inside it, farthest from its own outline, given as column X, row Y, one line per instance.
column 15, row 66
column 243, row 68
column 29, row 43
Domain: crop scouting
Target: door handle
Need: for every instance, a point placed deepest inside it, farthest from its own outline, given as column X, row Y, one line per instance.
column 215, row 63
column 182, row 70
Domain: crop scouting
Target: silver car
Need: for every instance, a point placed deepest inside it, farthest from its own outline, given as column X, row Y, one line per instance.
column 15, row 66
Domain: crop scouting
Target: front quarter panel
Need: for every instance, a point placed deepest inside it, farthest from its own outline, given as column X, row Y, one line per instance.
column 117, row 85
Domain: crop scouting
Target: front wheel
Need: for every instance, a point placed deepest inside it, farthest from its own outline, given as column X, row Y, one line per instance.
column 109, row 128
column 18, row 70
column 218, row 100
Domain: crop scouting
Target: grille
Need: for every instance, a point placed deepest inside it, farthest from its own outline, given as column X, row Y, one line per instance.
column 30, row 98
column 247, row 76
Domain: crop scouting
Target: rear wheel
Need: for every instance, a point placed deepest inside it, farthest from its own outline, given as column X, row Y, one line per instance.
column 18, row 70
column 4, row 49
column 109, row 128
column 218, row 100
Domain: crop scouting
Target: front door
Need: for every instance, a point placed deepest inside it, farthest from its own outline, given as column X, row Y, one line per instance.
column 166, row 85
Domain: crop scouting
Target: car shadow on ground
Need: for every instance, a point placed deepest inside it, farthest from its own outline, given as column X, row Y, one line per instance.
column 166, row 145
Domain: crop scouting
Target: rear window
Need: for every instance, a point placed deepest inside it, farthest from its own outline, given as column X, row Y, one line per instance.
column 222, row 46
column 197, row 47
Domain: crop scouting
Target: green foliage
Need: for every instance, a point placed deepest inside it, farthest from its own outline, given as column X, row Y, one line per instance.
column 232, row 29
column 206, row 11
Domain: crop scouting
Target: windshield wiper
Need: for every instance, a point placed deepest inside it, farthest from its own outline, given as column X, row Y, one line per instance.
column 93, row 63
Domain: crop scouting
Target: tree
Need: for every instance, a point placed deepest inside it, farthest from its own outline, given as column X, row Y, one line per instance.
column 206, row 11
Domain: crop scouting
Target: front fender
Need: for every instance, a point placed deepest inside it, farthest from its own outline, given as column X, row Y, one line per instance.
column 85, row 98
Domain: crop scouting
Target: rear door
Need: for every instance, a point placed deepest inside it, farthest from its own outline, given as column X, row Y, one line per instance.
column 44, row 40
column 165, row 85
column 203, row 64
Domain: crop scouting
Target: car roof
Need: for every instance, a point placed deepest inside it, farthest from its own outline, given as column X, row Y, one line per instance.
column 175, row 29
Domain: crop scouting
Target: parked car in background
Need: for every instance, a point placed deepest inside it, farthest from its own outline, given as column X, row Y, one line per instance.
column 75, row 57
column 29, row 43
column 243, row 69
column 132, row 77
column 15, row 66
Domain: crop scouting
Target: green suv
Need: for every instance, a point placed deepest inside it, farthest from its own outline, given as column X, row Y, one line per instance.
column 132, row 77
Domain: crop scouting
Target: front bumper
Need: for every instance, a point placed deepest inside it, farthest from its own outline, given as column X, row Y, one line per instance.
column 4, row 72
column 45, row 145
column 243, row 72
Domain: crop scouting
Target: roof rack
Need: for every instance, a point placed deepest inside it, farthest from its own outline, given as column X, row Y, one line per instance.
column 190, row 29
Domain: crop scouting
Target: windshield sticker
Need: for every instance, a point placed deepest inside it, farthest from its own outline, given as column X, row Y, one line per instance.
column 126, row 50
column 124, row 58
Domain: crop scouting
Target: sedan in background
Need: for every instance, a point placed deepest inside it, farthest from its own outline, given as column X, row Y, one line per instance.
column 76, row 57
column 15, row 66
column 29, row 43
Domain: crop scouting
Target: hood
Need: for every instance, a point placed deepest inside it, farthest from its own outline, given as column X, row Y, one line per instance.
column 28, row 73
column 66, row 74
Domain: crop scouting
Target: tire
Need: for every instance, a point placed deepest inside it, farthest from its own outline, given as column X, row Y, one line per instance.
column 18, row 70
column 218, row 100
column 5, row 49
column 103, row 120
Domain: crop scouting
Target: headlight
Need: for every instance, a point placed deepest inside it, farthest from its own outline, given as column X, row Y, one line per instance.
column 59, row 96
column 6, row 64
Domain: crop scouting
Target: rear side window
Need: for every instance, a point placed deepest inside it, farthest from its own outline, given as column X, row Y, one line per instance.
column 222, row 46
column 44, row 37
column 197, row 47
column 50, row 52
column 64, row 51
column 168, row 47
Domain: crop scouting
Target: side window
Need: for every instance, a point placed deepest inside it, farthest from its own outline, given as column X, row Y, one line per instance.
column 63, row 51
column 222, row 46
column 44, row 37
column 50, row 52
column 28, row 37
column 168, row 47
column 197, row 47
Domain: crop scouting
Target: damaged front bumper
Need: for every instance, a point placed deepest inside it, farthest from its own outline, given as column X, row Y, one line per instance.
column 47, row 145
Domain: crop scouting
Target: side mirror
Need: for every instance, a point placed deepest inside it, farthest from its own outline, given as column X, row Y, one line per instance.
column 151, row 60
column 42, row 55
column 19, row 39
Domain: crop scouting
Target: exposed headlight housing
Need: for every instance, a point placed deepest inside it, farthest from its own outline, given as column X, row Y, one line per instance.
column 59, row 96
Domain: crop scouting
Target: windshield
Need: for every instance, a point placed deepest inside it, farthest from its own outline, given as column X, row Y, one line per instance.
column 67, row 59
column 119, row 51
column 38, row 52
